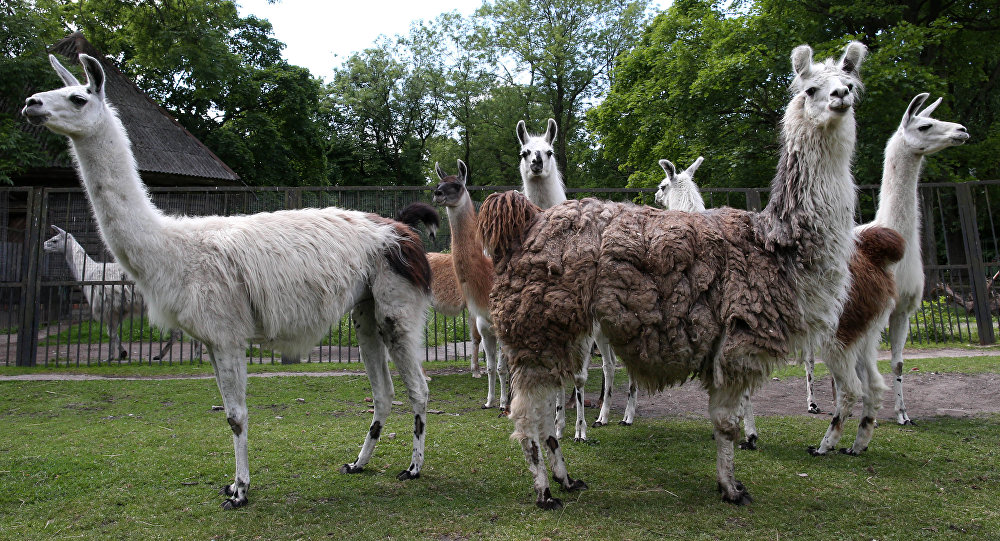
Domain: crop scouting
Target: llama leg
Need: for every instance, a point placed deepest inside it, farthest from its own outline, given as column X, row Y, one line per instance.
column 554, row 453
column 115, row 349
column 403, row 336
column 560, row 413
column 168, row 346
column 749, row 423
column 580, row 382
column 872, row 399
column 474, row 358
column 630, row 404
column 231, row 377
column 723, row 404
column 503, row 378
column 492, row 376
column 528, row 410
column 847, row 387
column 899, row 327
column 609, row 363
column 377, row 367
column 809, row 360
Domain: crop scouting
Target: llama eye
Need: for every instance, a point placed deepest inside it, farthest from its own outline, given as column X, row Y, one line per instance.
column 925, row 127
column 525, row 154
column 549, row 153
column 78, row 100
column 811, row 90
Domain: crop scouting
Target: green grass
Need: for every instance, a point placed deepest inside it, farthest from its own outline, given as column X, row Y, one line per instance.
column 963, row 365
column 143, row 459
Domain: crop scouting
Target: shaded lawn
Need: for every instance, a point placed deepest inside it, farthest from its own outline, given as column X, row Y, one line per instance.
column 130, row 459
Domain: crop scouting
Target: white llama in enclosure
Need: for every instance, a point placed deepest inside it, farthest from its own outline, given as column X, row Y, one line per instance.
column 446, row 293
column 543, row 185
column 110, row 304
column 474, row 272
column 918, row 135
column 279, row 278
column 724, row 295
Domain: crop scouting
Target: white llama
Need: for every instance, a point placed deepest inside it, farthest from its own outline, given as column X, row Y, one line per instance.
column 733, row 292
column 280, row 278
column 543, row 185
column 918, row 135
column 109, row 304
column 474, row 272
column 678, row 191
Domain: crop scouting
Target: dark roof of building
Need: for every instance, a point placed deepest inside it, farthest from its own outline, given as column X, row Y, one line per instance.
column 166, row 152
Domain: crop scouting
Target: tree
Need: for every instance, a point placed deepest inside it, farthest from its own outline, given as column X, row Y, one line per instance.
column 565, row 49
column 709, row 78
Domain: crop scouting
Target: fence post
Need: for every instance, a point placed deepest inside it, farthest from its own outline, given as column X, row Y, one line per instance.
column 753, row 200
column 27, row 331
column 974, row 260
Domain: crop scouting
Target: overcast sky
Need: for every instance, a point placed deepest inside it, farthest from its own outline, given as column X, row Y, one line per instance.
column 320, row 34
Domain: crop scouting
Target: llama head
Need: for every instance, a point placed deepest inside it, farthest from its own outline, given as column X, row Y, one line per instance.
column 451, row 190
column 59, row 242
column 674, row 179
column 924, row 135
column 537, row 156
column 75, row 109
column 825, row 93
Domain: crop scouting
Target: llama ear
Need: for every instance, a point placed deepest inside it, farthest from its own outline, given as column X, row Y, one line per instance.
column 802, row 57
column 463, row 172
column 522, row 132
column 915, row 104
column 67, row 77
column 440, row 172
column 694, row 166
column 854, row 54
column 926, row 113
column 668, row 168
column 551, row 131
column 57, row 230
column 95, row 74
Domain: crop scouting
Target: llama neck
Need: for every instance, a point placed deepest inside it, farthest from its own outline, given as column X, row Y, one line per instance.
column 128, row 221
column 545, row 192
column 77, row 260
column 897, row 208
column 466, row 243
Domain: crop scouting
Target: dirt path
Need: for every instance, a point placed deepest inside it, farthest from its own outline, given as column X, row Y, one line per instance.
column 927, row 394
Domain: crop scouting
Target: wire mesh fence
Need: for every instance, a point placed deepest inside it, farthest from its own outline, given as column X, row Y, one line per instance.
column 46, row 300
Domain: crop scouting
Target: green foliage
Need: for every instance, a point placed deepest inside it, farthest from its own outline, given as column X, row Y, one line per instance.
column 709, row 78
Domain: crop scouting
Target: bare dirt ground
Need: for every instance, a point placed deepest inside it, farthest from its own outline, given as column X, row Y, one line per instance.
column 927, row 394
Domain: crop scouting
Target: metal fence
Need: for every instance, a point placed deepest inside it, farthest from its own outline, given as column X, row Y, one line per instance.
column 45, row 318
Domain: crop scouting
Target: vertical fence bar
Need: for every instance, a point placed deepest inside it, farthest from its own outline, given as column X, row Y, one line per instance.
column 974, row 259
column 27, row 332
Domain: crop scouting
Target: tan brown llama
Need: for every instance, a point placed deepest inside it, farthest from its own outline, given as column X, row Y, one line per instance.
column 474, row 272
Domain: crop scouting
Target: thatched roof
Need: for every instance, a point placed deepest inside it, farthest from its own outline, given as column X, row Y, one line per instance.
column 166, row 153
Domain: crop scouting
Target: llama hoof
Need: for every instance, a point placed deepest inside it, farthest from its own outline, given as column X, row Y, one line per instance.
column 406, row 475
column 750, row 444
column 741, row 496
column 851, row 451
column 226, row 490
column 597, row 424
column 907, row 421
column 625, row 423
column 233, row 503
column 815, row 451
column 576, row 484
column 549, row 503
column 156, row 358
column 503, row 413
column 351, row 468
column 123, row 354
column 477, row 375
column 813, row 408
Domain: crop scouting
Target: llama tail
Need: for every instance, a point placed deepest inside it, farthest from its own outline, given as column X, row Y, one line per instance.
column 504, row 218
column 882, row 245
column 408, row 259
column 418, row 212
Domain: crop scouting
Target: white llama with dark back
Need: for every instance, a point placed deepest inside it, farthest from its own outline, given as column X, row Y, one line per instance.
column 280, row 278
column 745, row 289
